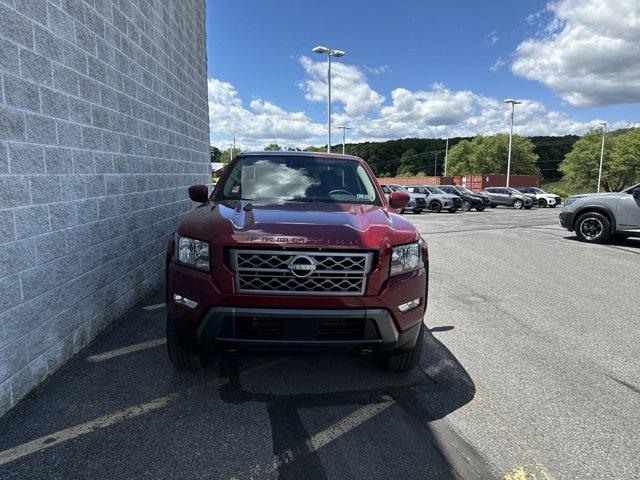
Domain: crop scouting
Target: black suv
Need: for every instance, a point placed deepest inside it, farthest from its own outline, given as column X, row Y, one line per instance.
column 469, row 199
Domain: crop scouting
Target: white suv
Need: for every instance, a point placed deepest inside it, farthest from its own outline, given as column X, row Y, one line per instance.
column 543, row 199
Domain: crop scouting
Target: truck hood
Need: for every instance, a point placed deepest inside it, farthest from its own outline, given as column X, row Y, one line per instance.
column 606, row 194
column 314, row 224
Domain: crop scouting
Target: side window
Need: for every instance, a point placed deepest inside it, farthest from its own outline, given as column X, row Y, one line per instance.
column 385, row 189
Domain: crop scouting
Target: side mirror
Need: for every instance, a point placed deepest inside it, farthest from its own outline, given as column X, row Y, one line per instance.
column 398, row 200
column 198, row 193
column 636, row 193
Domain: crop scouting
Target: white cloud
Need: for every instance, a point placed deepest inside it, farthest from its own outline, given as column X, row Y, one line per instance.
column 377, row 70
column 258, row 125
column 588, row 53
column 491, row 39
column 498, row 64
column 348, row 86
column 436, row 111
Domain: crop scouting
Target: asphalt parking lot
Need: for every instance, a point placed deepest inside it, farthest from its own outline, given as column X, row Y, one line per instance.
column 531, row 372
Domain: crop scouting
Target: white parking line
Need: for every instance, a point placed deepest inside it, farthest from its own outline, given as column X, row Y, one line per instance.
column 70, row 433
column 125, row 350
column 155, row 307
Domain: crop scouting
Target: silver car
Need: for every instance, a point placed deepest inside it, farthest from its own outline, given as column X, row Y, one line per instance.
column 508, row 197
column 437, row 200
column 417, row 201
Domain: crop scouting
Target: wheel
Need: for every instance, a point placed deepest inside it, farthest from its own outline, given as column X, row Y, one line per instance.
column 552, row 206
column 517, row 204
column 407, row 360
column 180, row 357
column 436, row 207
column 466, row 205
column 494, row 205
column 542, row 203
column 480, row 209
column 593, row 227
column 401, row 211
column 417, row 210
column 452, row 210
column 528, row 207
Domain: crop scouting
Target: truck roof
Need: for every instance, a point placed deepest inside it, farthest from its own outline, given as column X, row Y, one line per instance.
column 280, row 153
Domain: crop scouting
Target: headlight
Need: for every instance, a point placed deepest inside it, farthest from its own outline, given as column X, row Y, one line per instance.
column 570, row 201
column 192, row 253
column 405, row 258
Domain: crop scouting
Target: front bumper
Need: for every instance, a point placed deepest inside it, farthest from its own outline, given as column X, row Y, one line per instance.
column 362, row 329
column 566, row 220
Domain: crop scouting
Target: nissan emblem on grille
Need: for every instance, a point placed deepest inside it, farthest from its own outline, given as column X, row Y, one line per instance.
column 301, row 272
column 302, row 266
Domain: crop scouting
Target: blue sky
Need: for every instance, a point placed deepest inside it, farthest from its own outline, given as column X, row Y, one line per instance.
column 419, row 68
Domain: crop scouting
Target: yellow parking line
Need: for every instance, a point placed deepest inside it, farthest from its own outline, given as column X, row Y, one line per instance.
column 76, row 431
column 125, row 350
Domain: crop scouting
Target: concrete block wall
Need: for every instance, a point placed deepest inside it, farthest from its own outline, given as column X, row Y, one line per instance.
column 103, row 125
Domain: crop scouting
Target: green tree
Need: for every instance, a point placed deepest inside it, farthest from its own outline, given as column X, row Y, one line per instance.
column 214, row 153
column 488, row 154
column 408, row 163
column 225, row 156
column 621, row 164
column 273, row 147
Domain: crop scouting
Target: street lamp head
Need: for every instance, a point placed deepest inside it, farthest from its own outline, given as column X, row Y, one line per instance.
column 511, row 100
column 337, row 53
column 320, row 49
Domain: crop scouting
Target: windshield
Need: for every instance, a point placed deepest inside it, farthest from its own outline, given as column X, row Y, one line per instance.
column 435, row 190
column 537, row 190
column 302, row 179
column 465, row 190
column 513, row 190
column 398, row 188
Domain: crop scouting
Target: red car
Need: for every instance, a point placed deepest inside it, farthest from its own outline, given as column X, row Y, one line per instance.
column 297, row 249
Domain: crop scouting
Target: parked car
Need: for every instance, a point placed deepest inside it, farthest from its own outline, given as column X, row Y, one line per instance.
column 469, row 199
column 509, row 197
column 596, row 217
column 541, row 198
column 437, row 200
column 297, row 249
column 417, row 201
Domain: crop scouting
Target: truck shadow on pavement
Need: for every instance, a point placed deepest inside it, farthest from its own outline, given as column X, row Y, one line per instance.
column 421, row 448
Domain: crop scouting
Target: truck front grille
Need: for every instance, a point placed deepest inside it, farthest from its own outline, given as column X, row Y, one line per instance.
column 300, row 272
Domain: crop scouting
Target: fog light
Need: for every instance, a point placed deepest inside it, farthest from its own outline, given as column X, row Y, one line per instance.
column 184, row 301
column 409, row 305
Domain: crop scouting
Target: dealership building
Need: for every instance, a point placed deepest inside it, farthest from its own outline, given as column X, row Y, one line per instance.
column 103, row 124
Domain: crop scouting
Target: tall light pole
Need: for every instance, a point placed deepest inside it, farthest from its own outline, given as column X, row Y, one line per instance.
column 446, row 156
column 513, row 107
column 329, row 52
column 344, row 129
column 604, row 131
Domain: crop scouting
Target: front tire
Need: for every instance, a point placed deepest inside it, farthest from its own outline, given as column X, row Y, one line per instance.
column 517, row 204
column 436, row 207
column 466, row 205
column 181, row 358
column 528, row 207
column 542, row 203
column 593, row 227
column 494, row 205
column 408, row 360
column 480, row 209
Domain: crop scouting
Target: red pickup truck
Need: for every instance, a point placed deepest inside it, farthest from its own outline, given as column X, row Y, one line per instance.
column 297, row 249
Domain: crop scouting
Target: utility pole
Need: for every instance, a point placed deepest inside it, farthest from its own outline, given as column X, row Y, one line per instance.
column 604, row 131
column 344, row 129
column 232, row 149
column 513, row 106
column 446, row 156
column 330, row 53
